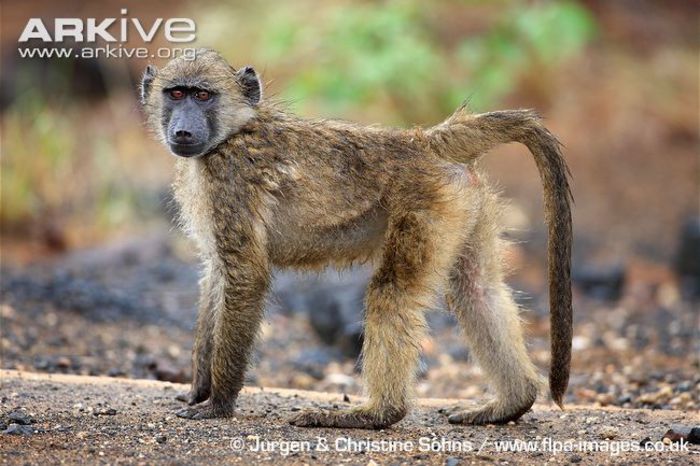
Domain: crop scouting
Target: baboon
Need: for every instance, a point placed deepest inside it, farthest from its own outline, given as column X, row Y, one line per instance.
column 260, row 188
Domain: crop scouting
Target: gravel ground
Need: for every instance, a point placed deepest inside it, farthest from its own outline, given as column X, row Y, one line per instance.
column 128, row 310
column 77, row 419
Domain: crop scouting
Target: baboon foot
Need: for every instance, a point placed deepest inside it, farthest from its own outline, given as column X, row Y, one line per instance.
column 361, row 417
column 493, row 412
column 206, row 410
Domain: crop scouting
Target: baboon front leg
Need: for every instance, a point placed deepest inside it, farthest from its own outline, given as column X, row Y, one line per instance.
column 236, row 317
column 489, row 317
column 413, row 265
column 210, row 285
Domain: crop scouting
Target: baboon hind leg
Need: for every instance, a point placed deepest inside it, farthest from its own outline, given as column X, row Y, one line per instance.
column 417, row 255
column 489, row 317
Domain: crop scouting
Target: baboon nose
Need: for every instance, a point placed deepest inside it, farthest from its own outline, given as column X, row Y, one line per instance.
column 182, row 137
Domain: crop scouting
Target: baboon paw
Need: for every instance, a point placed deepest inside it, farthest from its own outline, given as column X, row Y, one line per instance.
column 358, row 418
column 492, row 413
column 204, row 411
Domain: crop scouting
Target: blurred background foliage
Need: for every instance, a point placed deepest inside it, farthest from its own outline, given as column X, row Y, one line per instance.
column 617, row 82
column 392, row 56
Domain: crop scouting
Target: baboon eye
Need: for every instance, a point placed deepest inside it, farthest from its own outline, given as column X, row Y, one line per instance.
column 177, row 94
column 202, row 95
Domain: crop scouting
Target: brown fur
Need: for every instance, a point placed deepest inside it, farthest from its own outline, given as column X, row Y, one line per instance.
column 282, row 191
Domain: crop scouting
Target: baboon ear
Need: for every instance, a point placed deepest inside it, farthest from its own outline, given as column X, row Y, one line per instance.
column 148, row 76
column 250, row 84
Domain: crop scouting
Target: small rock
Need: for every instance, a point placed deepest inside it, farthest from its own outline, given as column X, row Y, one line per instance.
column 313, row 361
column 600, row 282
column 63, row 362
column 334, row 307
column 575, row 459
column 165, row 371
column 18, row 429
column 346, row 398
column 161, row 439
column 684, row 386
column 645, row 441
column 604, row 399
column 115, row 372
column 20, row 417
column 678, row 432
column 694, row 436
column 105, row 412
column 452, row 461
column 609, row 432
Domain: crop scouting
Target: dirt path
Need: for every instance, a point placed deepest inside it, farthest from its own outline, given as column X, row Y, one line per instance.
column 77, row 419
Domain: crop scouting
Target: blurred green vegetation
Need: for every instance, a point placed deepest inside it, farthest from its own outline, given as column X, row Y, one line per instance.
column 616, row 81
column 342, row 57
column 72, row 161
column 75, row 168
column 30, row 183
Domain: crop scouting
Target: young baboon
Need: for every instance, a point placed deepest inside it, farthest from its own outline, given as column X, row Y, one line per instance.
column 260, row 188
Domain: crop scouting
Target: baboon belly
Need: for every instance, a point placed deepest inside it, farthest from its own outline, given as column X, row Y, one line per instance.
column 355, row 238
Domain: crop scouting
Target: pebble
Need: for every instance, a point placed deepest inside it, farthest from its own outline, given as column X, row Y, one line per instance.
column 161, row 439
column 20, row 417
column 694, row 436
column 676, row 433
column 63, row 362
column 18, row 429
column 645, row 441
column 684, row 386
column 105, row 412
column 609, row 432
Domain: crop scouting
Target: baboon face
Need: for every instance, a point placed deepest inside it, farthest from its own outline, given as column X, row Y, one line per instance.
column 196, row 104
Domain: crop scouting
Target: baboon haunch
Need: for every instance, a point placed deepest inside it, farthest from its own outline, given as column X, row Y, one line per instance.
column 260, row 188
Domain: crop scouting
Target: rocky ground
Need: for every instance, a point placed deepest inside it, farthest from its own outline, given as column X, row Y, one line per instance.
column 128, row 310
column 68, row 419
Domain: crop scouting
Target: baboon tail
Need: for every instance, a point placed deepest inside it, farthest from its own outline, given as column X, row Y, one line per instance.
column 464, row 138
